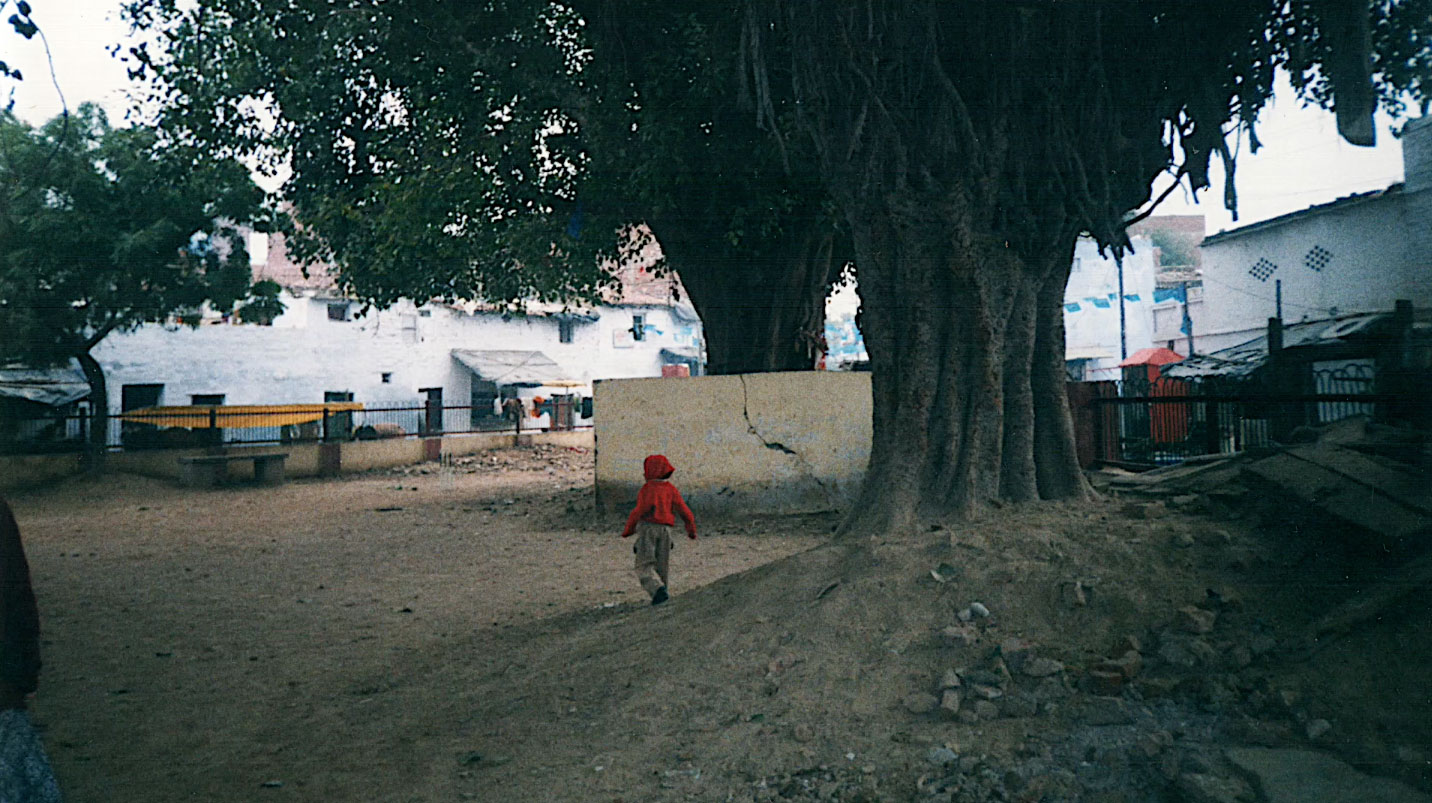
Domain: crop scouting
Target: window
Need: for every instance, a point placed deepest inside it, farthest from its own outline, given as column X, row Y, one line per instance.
column 425, row 313
column 387, row 377
column 1318, row 258
column 135, row 397
column 206, row 399
column 338, row 312
column 564, row 330
column 638, row 327
column 1078, row 263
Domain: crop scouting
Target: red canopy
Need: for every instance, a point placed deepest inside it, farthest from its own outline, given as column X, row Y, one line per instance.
column 1158, row 356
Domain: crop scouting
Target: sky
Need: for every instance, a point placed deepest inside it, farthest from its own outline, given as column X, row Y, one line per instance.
column 1302, row 163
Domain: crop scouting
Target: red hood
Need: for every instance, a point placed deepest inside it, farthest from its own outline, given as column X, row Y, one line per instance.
column 657, row 467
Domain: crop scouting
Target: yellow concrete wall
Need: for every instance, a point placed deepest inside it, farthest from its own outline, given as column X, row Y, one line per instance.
column 790, row 442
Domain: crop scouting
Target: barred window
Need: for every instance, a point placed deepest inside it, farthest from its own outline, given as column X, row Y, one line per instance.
column 1318, row 258
column 1262, row 269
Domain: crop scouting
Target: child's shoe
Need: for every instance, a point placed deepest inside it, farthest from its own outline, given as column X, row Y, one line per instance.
column 660, row 596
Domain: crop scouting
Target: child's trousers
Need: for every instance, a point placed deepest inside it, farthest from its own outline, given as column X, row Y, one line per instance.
column 653, row 554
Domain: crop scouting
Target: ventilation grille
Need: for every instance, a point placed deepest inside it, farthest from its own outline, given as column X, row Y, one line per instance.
column 1262, row 269
column 1318, row 258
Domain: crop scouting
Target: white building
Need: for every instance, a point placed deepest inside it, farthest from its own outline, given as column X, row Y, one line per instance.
column 1358, row 254
column 1095, row 340
column 327, row 348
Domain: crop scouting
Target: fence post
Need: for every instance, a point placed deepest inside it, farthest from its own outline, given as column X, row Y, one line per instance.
column 325, row 425
column 1282, row 418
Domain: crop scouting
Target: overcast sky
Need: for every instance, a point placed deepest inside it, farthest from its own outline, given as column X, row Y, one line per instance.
column 1303, row 163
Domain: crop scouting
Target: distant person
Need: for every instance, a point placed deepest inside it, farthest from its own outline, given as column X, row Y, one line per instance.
column 25, row 774
column 657, row 506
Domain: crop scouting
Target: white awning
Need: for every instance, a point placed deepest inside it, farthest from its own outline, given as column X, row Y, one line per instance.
column 50, row 386
column 512, row 367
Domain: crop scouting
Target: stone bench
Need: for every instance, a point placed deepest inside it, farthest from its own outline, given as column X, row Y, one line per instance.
column 209, row 471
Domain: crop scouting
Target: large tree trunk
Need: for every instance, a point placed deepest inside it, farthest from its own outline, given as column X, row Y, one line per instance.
column 761, row 312
column 99, row 403
column 966, row 348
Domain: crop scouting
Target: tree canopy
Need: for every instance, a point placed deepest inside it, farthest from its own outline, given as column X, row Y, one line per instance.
column 104, row 229
column 508, row 153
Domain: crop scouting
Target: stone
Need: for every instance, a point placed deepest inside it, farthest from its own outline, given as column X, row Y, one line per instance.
column 986, row 709
column 1317, row 729
column 1195, row 787
column 1182, row 540
column 1015, row 652
column 1152, row 744
column 1192, row 619
column 1262, row 644
column 1240, row 656
column 983, row 677
column 950, row 680
column 1127, row 643
column 965, row 615
column 978, row 610
column 803, row 733
column 1177, row 653
column 1105, row 683
column 954, row 636
column 967, row 716
column 987, row 692
column 940, row 756
column 950, row 702
column 1299, row 776
column 1105, row 711
column 1074, row 593
column 1126, row 665
column 1203, row 651
column 1042, row 667
column 1184, row 501
column 1143, row 510
column 920, row 703
column 1020, row 704
column 1051, row 688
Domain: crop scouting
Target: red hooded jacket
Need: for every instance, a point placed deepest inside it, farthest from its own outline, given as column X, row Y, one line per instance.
column 658, row 501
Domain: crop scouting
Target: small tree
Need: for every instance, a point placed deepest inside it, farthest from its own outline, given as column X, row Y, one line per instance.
column 104, row 229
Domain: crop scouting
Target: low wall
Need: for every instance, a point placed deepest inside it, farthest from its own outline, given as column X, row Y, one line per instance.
column 303, row 458
column 790, row 442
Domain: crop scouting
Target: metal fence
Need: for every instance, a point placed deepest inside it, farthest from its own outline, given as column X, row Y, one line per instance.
column 215, row 427
column 1167, row 420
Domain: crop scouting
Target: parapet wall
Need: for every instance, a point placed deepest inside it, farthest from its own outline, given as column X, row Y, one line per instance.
column 789, row 442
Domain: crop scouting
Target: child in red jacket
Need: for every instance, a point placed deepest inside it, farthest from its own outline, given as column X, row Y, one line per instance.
column 657, row 505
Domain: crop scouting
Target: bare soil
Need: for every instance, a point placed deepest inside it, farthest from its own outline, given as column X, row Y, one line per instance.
column 474, row 632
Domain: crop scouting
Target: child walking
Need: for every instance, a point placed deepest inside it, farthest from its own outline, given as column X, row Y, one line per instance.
column 657, row 506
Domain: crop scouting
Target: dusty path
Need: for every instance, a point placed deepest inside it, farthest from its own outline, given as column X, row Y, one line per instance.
column 201, row 644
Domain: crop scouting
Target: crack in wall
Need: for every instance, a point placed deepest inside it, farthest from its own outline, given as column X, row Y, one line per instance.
column 777, row 445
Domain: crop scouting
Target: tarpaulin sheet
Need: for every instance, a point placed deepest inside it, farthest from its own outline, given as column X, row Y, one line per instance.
column 236, row 416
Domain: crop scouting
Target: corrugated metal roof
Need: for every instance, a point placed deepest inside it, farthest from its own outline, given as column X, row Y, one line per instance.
column 1317, row 209
column 50, row 386
column 1245, row 358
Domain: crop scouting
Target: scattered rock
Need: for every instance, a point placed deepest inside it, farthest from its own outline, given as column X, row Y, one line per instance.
column 954, row 636
column 1317, row 729
column 987, row 692
column 1177, row 653
column 1182, row 540
column 986, row 709
column 1105, row 711
column 967, row 716
column 1299, row 776
column 1151, row 744
column 1192, row 619
column 978, row 610
column 950, row 702
column 1105, row 683
column 1143, row 510
column 1042, row 667
column 1075, row 594
column 984, row 677
column 940, row 756
column 920, row 702
column 950, row 680
column 1020, row 704
column 1126, row 665
column 1200, row 788
column 1262, row 644
column 1129, row 642
column 1015, row 652
column 803, row 733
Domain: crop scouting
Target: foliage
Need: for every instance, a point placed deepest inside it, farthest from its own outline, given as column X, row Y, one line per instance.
column 264, row 304
column 503, row 154
column 104, row 229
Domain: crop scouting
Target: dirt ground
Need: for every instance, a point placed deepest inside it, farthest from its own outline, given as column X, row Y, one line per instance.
column 475, row 633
